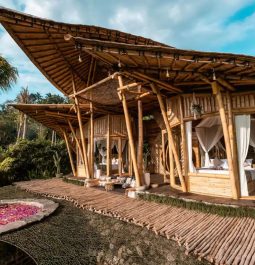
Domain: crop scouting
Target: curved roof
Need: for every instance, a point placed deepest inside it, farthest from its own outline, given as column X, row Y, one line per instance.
column 43, row 42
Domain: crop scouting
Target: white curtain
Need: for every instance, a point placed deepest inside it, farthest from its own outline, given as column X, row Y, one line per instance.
column 243, row 124
column 209, row 132
column 101, row 145
column 188, row 126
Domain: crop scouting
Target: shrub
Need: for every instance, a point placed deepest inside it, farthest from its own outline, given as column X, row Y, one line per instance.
column 33, row 159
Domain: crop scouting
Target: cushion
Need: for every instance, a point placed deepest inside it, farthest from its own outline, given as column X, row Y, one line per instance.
column 216, row 162
column 224, row 163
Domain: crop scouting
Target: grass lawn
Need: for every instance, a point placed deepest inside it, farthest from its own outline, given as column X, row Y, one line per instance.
column 75, row 236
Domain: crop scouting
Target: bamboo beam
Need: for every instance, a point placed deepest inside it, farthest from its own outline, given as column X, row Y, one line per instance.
column 119, row 156
column 83, row 141
column 108, row 146
column 92, row 142
column 183, row 137
column 163, row 155
column 233, row 177
column 69, row 153
column 130, row 135
column 140, row 136
column 232, row 136
column 77, row 141
column 170, row 136
column 171, row 165
column 226, row 84
column 94, row 85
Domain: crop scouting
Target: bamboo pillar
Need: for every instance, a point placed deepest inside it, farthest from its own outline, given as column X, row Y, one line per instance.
column 171, row 165
column 130, row 165
column 184, row 141
column 140, row 137
column 69, row 153
column 232, row 136
column 91, row 141
column 119, row 156
column 108, row 146
column 170, row 136
column 130, row 135
column 163, row 155
column 83, row 141
column 233, row 177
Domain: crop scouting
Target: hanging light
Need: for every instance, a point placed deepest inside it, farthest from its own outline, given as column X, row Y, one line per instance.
column 80, row 59
column 119, row 64
column 167, row 73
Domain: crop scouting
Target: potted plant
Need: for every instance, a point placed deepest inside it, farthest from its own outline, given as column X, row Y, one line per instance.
column 197, row 110
column 57, row 159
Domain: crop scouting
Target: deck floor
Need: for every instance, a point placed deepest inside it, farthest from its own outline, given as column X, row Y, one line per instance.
column 221, row 240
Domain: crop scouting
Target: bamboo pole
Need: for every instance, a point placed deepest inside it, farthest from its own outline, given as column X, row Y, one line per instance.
column 140, row 136
column 130, row 135
column 91, row 141
column 130, row 165
column 69, row 154
column 232, row 136
column 76, row 140
column 184, row 141
column 83, row 141
column 163, row 155
column 108, row 146
column 170, row 136
column 233, row 177
column 119, row 156
column 171, row 165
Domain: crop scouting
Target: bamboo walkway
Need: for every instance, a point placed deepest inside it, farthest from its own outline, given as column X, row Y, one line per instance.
column 220, row 240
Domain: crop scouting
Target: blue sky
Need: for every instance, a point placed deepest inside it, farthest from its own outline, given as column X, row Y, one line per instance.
column 212, row 25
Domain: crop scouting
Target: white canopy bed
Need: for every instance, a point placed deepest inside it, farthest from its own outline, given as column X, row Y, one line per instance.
column 209, row 133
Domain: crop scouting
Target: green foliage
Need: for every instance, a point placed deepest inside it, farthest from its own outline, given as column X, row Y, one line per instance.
column 33, row 159
column 8, row 74
column 57, row 159
column 221, row 210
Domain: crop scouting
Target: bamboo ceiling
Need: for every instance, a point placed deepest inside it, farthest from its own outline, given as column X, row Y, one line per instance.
column 55, row 48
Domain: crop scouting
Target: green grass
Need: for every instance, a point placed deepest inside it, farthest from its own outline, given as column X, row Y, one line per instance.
column 221, row 210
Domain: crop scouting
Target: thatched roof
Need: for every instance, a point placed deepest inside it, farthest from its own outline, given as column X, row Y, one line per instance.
column 55, row 48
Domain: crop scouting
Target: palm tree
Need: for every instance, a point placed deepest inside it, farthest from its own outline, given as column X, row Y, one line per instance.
column 8, row 74
column 24, row 98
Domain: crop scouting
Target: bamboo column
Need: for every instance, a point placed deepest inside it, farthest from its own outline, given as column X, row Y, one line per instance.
column 170, row 136
column 91, row 141
column 232, row 136
column 130, row 165
column 119, row 156
column 163, row 155
column 171, row 165
column 140, row 137
column 233, row 177
column 184, row 141
column 83, row 141
column 130, row 135
column 69, row 153
column 108, row 146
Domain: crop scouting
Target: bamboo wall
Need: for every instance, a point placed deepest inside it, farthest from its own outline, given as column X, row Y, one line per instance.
column 241, row 102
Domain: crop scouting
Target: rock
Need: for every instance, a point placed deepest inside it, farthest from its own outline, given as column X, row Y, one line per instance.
column 139, row 251
column 170, row 257
column 111, row 246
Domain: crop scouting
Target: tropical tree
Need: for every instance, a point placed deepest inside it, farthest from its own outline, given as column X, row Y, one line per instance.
column 8, row 74
column 24, row 98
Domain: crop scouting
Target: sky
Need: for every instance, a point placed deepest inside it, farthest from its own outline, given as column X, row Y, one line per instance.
column 207, row 25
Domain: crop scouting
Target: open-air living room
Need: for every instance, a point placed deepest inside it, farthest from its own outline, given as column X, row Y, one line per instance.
column 122, row 149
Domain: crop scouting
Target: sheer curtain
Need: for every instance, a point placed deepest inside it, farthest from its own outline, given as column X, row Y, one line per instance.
column 243, row 124
column 209, row 132
column 188, row 127
column 101, row 145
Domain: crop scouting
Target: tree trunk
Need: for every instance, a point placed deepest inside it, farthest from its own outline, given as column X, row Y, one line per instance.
column 24, row 127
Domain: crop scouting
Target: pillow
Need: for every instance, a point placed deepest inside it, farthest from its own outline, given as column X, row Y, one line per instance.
column 247, row 163
column 216, row 162
column 224, row 163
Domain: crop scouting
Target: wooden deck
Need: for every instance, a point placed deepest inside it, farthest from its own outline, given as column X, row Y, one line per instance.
column 221, row 240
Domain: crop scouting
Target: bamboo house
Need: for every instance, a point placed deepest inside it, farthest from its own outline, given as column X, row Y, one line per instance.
column 194, row 110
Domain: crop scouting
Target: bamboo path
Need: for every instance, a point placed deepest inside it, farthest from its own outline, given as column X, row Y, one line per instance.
column 220, row 240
